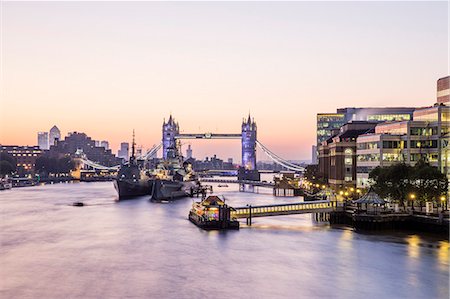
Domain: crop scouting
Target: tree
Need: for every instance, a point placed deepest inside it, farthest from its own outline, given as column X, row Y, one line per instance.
column 392, row 181
column 428, row 182
column 46, row 164
column 7, row 164
column 312, row 174
column 399, row 180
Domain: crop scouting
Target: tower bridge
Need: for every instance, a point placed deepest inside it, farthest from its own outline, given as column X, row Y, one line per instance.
column 249, row 142
column 248, row 136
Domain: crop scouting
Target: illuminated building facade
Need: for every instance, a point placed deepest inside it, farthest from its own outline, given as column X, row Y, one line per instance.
column 337, row 155
column 25, row 156
column 425, row 137
column 328, row 123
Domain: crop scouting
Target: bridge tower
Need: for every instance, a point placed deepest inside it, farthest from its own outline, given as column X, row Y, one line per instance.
column 249, row 144
column 169, row 131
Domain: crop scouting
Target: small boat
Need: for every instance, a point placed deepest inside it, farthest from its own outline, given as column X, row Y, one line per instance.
column 212, row 213
column 78, row 204
column 222, row 185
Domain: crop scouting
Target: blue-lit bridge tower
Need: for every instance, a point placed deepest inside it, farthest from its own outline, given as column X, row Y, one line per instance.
column 249, row 144
column 169, row 142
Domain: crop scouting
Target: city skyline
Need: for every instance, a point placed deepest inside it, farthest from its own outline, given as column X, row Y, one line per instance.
column 209, row 64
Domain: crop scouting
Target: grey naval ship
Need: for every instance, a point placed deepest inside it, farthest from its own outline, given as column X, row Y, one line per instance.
column 173, row 179
column 132, row 180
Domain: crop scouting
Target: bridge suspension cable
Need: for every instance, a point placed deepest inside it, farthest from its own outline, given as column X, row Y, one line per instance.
column 151, row 152
column 277, row 159
column 97, row 166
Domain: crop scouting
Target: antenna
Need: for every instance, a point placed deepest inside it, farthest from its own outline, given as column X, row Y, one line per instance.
column 132, row 146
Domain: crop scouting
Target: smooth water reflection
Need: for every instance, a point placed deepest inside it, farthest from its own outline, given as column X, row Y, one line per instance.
column 136, row 248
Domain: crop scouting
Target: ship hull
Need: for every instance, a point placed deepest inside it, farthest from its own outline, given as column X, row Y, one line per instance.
column 130, row 189
column 171, row 190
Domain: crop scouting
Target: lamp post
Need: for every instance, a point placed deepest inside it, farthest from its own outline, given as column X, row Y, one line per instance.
column 443, row 203
column 412, row 196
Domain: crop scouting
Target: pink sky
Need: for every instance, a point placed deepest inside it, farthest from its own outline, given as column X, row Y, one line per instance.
column 106, row 68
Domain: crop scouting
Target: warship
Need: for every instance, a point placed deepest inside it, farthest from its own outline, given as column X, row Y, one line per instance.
column 132, row 180
column 174, row 178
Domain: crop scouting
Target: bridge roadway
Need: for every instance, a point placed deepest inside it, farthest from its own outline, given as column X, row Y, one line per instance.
column 208, row 136
column 243, row 182
column 322, row 206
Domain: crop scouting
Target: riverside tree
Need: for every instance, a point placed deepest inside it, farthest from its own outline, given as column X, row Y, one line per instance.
column 7, row 164
column 399, row 180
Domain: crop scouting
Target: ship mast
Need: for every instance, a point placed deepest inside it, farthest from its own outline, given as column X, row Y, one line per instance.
column 132, row 147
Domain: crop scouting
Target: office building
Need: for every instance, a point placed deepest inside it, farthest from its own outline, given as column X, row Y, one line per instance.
column 337, row 155
column 54, row 136
column 123, row 152
column 105, row 144
column 80, row 142
column 43, row 140
column 425, row 137
column 329, row 123
column 443, row 91
column 25, row 156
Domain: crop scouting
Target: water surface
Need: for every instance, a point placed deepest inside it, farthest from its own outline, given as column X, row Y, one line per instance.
column 139, row 249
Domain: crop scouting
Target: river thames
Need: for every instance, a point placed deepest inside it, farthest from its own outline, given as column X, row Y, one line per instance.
column 140, row 249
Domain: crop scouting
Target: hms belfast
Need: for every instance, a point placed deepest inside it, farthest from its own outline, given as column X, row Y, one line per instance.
column 170, row 179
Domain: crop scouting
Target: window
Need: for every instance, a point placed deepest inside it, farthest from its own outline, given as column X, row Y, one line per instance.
column 393, row 144
column 423, row 143
column 369, row 157
column 392, row 157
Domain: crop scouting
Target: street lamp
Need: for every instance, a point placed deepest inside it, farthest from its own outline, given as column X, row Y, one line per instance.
column 442, row 203
column 412, row 196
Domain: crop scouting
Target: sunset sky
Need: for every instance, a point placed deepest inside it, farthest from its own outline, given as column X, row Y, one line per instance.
column 104, row 68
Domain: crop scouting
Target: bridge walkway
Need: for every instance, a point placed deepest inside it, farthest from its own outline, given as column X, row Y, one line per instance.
column 322, row 206
column 242, row 182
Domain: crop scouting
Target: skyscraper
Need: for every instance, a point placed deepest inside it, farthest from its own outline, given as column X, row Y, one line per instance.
column 189, row 152
column 105, row 144
column 55, row 134
column 43, row 140
column 124, row 151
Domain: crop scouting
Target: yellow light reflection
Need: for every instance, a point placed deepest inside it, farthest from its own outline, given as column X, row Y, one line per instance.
column 413, row 246
column 443, row 253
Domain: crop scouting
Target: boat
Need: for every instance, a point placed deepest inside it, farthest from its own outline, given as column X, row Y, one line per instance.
column 173, row 180
column 132, row 180
column 5, row 183
column 212, row 213
column 222, row 185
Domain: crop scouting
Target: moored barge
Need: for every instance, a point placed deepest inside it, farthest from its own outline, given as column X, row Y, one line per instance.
column 212, row 213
